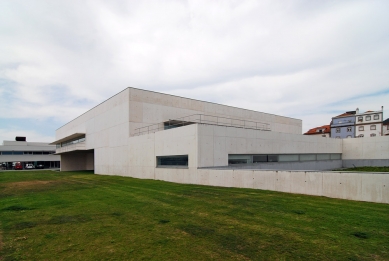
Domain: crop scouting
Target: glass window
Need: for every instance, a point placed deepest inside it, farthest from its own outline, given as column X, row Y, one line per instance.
column 307, row 157
column 376, row 117
column 336, row 156
column 372, row 135
column 348, row 129
column 360, row 128
column 6, row 153
column 292, row 157
column 323, row 156
column 240, row 159
column 372, row 127
column 177, row 160
column 368, row 118
column 37, row 153
column 27, row 152
column 259, row 158
column 272, row 158
column 18, row 152
column 337, row 130
column 361, row 135
column 360, row 119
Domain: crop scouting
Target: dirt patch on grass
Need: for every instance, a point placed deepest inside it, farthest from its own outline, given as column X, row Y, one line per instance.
column 28, row 185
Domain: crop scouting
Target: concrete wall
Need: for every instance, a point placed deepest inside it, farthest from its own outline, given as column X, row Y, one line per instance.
column 372, row 187
column 77, row 161
column 143, row 150
column 216, row 142
column 147, row 107
column 366, row 148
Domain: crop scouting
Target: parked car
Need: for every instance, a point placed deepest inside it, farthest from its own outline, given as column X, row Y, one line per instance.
column 18, row 166
column 29, row 166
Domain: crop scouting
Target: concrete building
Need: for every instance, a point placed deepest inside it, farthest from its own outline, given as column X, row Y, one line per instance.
column 151, row 135
column 35, row 153
column 343, row 126
column 368, row 124
column 322, row 131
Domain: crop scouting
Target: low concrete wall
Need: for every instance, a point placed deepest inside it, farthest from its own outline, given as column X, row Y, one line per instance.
column 365, row 162
column 372, row 187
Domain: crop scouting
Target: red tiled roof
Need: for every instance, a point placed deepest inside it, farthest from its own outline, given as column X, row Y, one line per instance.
column 327, row 129
column 344, row 114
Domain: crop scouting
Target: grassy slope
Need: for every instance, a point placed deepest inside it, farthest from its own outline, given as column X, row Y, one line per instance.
column 80, row 216
column 368, row 169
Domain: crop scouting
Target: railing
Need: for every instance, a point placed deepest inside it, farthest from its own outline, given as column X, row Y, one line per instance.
column 202, row 119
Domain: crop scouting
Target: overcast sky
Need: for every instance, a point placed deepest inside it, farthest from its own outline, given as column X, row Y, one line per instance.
column 310, row 60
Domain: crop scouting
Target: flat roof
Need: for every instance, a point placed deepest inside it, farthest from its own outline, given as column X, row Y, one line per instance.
column 72, row 136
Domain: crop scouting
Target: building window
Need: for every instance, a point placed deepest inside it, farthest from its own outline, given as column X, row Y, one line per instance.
column 372, row 127
column 176, row 160
column 360, row 136
column 372, row 135
column 360, row 119
column 360, row 128
column 337, row 130
column 348, row 129
column 368, row 118
column 376, row 117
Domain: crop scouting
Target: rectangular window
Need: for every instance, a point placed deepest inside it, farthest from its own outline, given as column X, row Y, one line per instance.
column 360, row 128
column 323, row 156
column 307, row 157
column 37, row 153
column 372, row 127
column 337, row 130
column 372, row 135
column 272, row 158
column 336, row 156
column 293, row 157
column 27, row 152
column 176, row 160
column 376, row 117
column 348, row 129
column 360, row 119
column 259, row 158
column 6, row 153
column 361, row 136
column 18, row 152
column 368, row 118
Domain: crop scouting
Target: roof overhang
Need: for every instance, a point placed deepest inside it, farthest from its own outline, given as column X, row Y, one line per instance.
column 70, row 137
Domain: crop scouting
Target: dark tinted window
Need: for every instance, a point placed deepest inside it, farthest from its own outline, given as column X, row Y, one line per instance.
column 259, row 158
column 180, row 160
column 272, row 158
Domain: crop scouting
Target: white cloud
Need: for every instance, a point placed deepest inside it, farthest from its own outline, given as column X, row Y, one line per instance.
column 295, row 58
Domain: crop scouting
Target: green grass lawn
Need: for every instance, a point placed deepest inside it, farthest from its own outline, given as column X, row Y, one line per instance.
column 49, row 215
column 367, row 169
